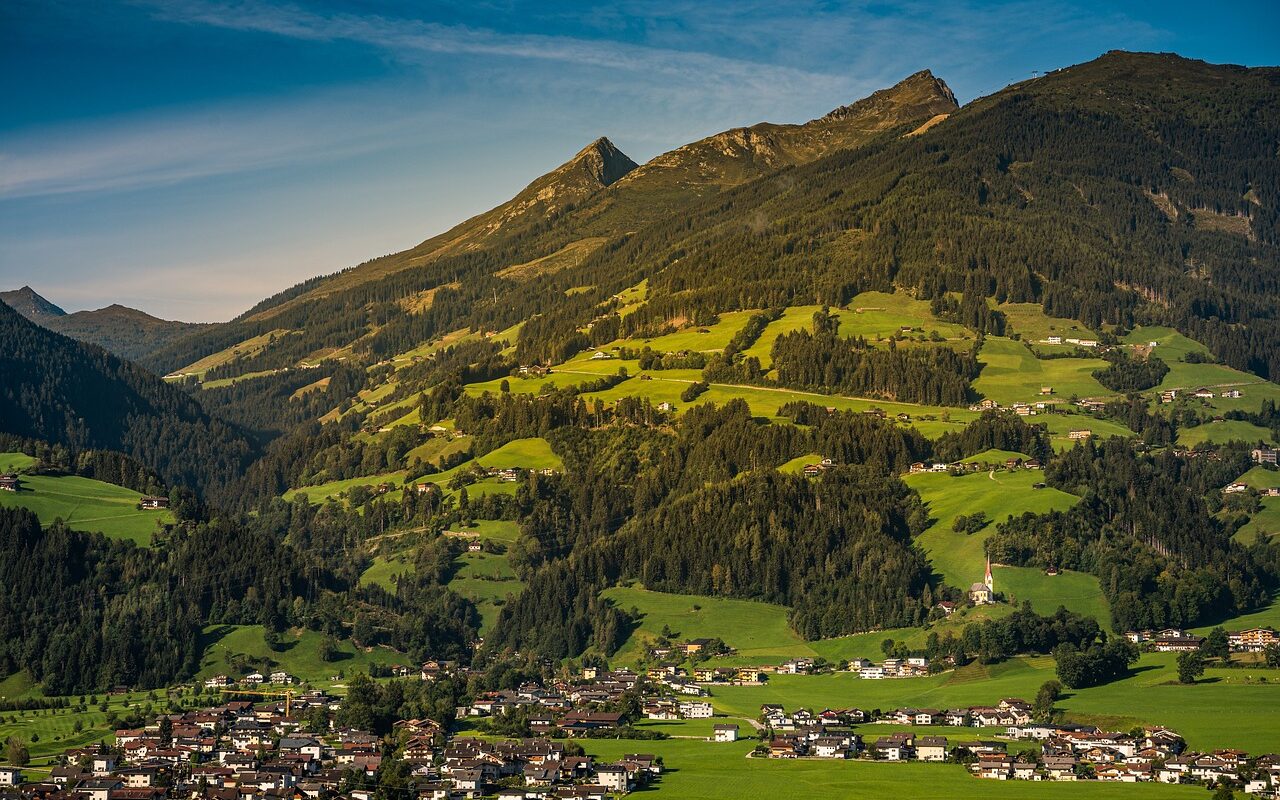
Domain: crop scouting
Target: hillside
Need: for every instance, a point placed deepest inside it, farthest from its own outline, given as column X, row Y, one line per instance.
column 59, row 390
column 126, row 332
column 594, row 198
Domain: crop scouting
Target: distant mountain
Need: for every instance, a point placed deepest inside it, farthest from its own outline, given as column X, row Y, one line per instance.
column 125, row 331
column 59, row 390
column 31, row 305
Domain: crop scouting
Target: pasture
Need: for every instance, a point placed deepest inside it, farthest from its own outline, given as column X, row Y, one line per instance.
column 1011, row 373
column 87, row 505
column 235, row 650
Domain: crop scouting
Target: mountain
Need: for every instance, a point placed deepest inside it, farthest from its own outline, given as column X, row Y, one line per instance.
column 59, row 390
column 31, row 305
column 565, row 216
column 125, row 331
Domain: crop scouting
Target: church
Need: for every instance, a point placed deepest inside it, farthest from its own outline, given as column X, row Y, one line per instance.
column 980, row 594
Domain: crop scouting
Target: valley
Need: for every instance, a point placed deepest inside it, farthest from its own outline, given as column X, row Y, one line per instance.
column 825, row 431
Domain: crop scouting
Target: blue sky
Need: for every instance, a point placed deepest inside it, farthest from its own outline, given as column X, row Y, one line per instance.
column 189, row 157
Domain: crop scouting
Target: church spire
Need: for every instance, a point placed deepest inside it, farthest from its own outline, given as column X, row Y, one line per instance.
column 990, row 581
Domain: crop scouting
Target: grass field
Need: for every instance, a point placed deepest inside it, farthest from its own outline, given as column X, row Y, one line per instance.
column 995, row 458
column 384, row 569
column 694, row 338
column 1029, row 321
column 1171, row 346
column 87, row 505
column 12, row 462
column 487, row 579
column 753, row 629
column 700, row 770
column 246, row 349
column 1227, row 430
column 234, row 650
column 796, row 465
column 334, row 490
column 960, row 558
column 875, row 316
column 532, row 453
column 1011, row 374
column 1228, row 708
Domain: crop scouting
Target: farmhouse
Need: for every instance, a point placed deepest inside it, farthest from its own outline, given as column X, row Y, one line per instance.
column 726, row 732
column 1082, row 433
column 155, row 502
column 9, row 483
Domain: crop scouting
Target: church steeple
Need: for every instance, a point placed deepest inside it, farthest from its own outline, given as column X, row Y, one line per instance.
column 988, row 580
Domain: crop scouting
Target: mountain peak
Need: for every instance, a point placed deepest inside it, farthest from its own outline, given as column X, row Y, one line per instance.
column 604, row 161
column 920, row 89
column 30, row 304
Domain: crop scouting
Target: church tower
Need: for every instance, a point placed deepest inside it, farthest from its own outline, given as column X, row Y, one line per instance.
column 988, row 580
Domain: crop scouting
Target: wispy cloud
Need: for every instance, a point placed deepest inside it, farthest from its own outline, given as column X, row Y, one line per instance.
column 411, row 41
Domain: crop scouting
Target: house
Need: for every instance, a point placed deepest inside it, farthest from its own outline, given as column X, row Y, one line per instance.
column 253, row 678
column 726, row 732
column 871, row 673
column 1045, row 390
column 995, row 767
column 665, row 406
column 1082, row 433
column 696, row 710
column 812, row 470
column 614, row 778
column 280, row 676
column 1234, row 394
column 1173, row 640
column 1253, row 640
column 948, row 607
column 939, row 467
column 1203, row 394
column 98, row 788
column 216, row 682
column 9, row 483
column 154, row 502
column 600, row 355
column 10, row 776
column 931, row 748
column 1053, row 340
column 1264, row 455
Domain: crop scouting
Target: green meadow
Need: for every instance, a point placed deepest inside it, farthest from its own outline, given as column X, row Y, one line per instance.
column 1228, row 430
column 1029, row 321
column 86, row 505
column 1227, row 708
column 235, row 650
column 487, row 579
column 700, row 770
column 1011, row 373
column 960, row 558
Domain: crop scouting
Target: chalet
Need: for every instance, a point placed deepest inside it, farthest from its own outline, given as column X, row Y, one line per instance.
column 726, row 732
column 956, row 717
column 281, row 677
column 1169, row 396
column 216, row 682
column 1081, row 433
column 154, row 502
column 986, row 404
column 600, row 355
column 1046, row 390
column 1053, row 340
column 917, row 466
column 786, row 748
column 1235, row 488
column 1173, row 640
column 474, row 546
column 10, row 776
column 939, row 467
column 9, row 483
column 666, row 406
column 1203, row 394
column 1088, row 342
column 871, row 672
column 947, row 607
column 1233, row 394
column 812, row 470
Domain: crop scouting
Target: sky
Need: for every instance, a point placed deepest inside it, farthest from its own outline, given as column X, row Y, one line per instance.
column 191, row 157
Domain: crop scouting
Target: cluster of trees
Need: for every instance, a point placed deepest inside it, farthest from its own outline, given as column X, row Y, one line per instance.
column 1146, row 530
column 994, row 430
column 1096, row 664
column 994, row 640
column 1124, row 373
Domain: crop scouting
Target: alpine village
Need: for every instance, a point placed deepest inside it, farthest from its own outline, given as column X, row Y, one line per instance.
column 917, row 450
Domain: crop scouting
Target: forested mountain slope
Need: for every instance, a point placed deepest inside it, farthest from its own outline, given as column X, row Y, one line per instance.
column 59, row 390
